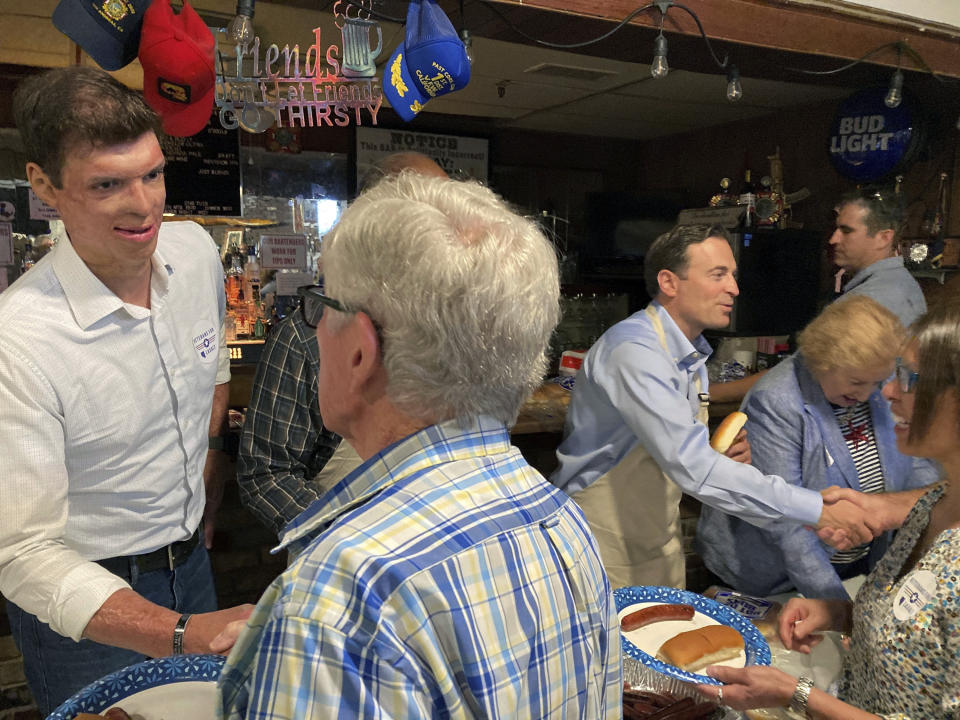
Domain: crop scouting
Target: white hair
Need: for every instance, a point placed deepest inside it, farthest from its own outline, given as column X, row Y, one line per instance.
column 465, row 293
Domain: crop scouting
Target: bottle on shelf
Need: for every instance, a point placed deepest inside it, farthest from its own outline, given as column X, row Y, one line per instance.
column 27, row 260
column 748, row 200
column 235, row 279
column 230, row 327
column 259, row 329
column 242, row 320
column 251, row 273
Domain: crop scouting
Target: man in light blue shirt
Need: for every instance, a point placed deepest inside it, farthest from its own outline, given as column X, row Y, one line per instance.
column 636, row 434
column 864, row 243
column 444, row 577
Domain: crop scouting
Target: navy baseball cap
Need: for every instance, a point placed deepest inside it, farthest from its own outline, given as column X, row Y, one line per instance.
column 430, row 62
column 107, row 30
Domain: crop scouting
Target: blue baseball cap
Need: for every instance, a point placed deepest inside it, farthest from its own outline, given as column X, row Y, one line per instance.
column 107, row 30
column 430, row 62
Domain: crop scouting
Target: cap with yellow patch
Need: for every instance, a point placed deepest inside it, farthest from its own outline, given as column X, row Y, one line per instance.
column 430, row 62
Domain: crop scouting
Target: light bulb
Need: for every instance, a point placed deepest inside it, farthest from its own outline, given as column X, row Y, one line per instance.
column 659, row 68
column 240, row 28
column 734, row 88
column 895, row 93
column 467, row 44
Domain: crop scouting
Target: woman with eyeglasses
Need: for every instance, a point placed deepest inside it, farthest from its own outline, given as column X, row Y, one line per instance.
column 905, row 622
column 818, row 420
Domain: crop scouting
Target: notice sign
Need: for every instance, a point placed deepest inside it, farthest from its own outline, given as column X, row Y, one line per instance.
column 465, row 156
column 283, row 252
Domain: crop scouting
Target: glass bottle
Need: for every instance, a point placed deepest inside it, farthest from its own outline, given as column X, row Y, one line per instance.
column 251, row 272
column 27, row 260
column 748, row 199
column 235, row 280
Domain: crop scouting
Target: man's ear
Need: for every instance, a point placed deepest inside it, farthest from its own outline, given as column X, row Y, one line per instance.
column 42, row 184
column 366, row 358
column 884, row 238
column 668, row 282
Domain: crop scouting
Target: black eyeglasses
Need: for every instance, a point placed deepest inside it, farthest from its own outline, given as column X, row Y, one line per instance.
column 906, row 377
column 313, row 302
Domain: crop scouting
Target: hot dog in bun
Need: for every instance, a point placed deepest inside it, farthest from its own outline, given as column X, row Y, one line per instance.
column 726, row 432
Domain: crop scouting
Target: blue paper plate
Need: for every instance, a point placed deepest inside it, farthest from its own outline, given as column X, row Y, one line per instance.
column 755, row 646
column 109, row 690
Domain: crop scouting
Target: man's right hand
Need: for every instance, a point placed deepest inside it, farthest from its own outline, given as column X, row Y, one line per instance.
column 884, row 511
column 204, row 627
column 843, row 524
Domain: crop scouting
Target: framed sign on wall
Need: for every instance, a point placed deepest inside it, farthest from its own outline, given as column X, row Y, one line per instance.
column 457, row 155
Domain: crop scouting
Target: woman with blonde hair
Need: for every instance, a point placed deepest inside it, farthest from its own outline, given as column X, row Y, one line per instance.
column 818, row 420
column 905, row 623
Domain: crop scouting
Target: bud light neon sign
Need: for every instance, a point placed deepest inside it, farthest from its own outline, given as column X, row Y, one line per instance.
column 869, row 140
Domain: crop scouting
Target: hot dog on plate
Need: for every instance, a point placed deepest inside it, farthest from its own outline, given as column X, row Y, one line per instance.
column 656, row 613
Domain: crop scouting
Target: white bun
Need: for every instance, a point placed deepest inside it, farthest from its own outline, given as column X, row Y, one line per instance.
column 726, row 432
column 695, row 649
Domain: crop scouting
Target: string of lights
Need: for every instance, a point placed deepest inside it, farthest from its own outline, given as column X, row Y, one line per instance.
column 659, row 67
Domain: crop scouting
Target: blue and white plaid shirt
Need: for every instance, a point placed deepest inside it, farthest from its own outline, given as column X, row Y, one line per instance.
column 443, row 578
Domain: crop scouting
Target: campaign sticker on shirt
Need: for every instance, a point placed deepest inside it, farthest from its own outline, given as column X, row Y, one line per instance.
column 205, row 341
column 917, row 590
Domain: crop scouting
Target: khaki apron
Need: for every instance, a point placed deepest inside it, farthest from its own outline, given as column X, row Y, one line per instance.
column 634, row 512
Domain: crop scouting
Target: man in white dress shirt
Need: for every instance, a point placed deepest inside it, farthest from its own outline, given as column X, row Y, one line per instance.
column 110, row 350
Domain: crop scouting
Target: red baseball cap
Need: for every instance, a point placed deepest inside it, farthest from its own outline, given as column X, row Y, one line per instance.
column 179, row 80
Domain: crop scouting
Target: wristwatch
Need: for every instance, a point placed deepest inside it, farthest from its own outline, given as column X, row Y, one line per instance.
column 178, row 632
column 798, row 703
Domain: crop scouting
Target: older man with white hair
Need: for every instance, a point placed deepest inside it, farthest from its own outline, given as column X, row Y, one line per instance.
column 444, row 577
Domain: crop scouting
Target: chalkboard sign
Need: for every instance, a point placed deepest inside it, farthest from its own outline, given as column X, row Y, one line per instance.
column 203, row 172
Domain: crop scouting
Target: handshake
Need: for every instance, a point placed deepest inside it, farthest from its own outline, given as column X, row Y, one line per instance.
column 850, row 518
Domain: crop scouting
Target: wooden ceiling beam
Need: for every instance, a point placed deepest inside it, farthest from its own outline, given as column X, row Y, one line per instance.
column 811, row 29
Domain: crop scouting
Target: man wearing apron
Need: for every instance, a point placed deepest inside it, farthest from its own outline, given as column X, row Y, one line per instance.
column 636, row 436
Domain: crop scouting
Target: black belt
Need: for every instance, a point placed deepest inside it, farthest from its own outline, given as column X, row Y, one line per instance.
column 165, row 558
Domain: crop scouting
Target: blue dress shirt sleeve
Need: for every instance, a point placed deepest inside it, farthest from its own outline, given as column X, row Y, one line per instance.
column 641, row 382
